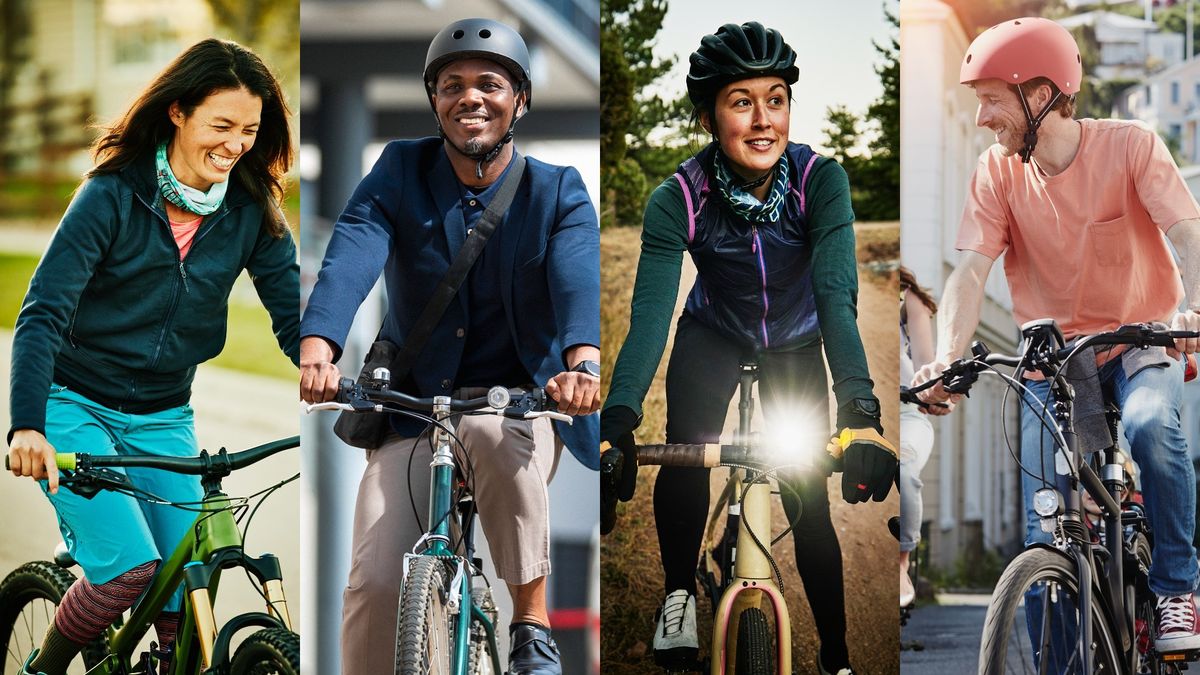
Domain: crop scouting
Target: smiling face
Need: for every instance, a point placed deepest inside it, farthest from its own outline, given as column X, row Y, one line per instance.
column 210, row 141
column 474, row 102
column 751, row 123
column 1000, row 111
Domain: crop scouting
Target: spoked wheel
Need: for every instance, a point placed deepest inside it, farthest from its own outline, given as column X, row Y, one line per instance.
column 28, row 599
column 755, row 650
column 271, row 651
column 1033, row 621
column 423, row 645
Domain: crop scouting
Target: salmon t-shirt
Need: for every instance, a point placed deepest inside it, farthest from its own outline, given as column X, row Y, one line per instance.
column 1085, row 247
column 184, row 232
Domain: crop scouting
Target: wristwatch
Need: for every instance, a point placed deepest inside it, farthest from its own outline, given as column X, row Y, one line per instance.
column 590, row 367
column 867, row 407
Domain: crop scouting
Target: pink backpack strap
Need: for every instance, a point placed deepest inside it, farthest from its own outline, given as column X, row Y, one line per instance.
column 804, row 183
column 687, row 202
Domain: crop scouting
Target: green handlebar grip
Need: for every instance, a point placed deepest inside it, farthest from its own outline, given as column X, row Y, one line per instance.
column 65, row 460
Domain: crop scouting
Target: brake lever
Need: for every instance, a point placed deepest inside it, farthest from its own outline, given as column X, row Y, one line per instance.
column 88, row 484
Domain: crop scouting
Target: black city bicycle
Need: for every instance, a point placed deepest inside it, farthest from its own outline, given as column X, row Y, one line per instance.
column 1082, row 605
column 29, row 595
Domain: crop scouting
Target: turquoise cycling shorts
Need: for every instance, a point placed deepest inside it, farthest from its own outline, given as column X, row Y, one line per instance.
column 112, row 533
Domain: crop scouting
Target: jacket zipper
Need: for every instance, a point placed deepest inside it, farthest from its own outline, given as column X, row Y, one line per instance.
column 756, row 247
column 162, row 334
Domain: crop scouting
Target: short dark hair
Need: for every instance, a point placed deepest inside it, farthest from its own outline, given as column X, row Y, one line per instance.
column 1065, row 105
column 208, row 67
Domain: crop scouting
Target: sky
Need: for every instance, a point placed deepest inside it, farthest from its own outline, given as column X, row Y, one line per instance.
column 832, row 40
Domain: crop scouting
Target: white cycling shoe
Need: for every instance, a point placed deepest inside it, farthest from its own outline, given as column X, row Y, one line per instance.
column 1178, row 628
column 843, row 671
column 675, row 642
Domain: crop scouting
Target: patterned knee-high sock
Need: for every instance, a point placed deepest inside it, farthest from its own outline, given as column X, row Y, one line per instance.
column 86, row 610
column 166, row 626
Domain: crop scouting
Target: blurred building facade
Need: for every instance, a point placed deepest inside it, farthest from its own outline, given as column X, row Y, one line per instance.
column 972, row 487
column 1130, row 48
column 361, row 87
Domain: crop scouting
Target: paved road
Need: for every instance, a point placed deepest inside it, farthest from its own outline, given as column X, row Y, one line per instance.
column 948, row 634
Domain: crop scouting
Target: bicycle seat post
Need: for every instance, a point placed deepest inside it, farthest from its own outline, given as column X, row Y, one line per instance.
column 749, row 373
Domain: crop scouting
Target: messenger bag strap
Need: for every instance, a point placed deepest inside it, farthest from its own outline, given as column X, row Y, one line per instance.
column 450, row 283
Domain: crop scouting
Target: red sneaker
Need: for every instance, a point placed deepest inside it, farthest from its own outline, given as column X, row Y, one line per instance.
column 1178, row 629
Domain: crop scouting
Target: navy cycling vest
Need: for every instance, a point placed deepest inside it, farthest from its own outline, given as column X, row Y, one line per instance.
column 754, row 280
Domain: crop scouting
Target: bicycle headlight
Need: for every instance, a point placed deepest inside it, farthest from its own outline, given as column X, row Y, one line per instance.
column 498, row 398
column 789, row 441
column 1046, row 502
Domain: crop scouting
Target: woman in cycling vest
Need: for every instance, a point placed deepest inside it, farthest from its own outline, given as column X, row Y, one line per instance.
column 768, row 224
column 131, row 294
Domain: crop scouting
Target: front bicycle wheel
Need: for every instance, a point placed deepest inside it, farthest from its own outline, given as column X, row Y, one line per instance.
column 1033, row 620
column 423, row 645
column 29, row 597
column 754, row 652
column 271, row 651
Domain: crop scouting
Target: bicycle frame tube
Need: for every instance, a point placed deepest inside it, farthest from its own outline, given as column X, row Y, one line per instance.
column 214, row 530
column 441, row 477
column 752, row 576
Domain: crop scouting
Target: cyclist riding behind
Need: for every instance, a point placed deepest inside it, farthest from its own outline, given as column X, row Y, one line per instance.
column 768, row 224
column 130, row 296
column 1079, row 208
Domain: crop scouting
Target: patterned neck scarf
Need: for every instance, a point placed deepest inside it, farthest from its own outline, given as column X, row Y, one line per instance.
column 745, row 204
column 186, row 198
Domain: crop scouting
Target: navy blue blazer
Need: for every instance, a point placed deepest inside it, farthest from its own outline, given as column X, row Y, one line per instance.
column 406, row 220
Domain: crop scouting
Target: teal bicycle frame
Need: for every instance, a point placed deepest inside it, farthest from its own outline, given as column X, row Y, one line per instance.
column 212, row 544
column 437, row 544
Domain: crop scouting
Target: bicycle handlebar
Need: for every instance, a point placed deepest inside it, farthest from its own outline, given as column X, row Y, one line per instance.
column 962, row 373
column 220, row 463
column 355, row 397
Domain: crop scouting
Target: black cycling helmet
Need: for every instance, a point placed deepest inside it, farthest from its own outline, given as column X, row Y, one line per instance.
column 480, row 39
column 737, row 53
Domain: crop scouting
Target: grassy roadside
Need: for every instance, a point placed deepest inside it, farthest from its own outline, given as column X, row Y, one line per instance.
column 249, row 348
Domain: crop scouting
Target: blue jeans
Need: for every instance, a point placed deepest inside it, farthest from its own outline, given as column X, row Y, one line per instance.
column 1150, row 404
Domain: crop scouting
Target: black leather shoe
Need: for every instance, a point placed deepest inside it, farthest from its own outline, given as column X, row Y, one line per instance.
column 533, row 651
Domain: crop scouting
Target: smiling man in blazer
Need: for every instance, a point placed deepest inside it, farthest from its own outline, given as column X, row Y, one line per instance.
column 527, row 314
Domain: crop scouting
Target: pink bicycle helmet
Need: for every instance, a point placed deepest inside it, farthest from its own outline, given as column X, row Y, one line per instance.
column 1019, row 50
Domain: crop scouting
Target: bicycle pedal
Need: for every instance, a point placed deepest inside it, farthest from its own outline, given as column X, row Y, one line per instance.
column 1185, row 656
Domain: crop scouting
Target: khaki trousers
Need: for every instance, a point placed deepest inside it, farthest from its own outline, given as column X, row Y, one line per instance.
column 509, row 463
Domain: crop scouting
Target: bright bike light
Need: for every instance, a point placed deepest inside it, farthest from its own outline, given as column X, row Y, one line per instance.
column 1046, row 502
column 789, row 441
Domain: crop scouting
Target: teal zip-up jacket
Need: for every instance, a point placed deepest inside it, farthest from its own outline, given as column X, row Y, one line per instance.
column 114, row 314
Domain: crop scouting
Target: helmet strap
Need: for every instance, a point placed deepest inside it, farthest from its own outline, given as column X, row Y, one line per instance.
column 480, row 158
column 1033, row 123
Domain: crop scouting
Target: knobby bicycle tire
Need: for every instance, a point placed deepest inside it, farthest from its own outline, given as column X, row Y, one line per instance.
column 270, row 651
column 423, row 644
column 28, row 598
column 481, row 651
column 755, row 649
column 1036, row 581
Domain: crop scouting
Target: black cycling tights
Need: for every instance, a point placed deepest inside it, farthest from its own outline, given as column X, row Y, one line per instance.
column 701, row 380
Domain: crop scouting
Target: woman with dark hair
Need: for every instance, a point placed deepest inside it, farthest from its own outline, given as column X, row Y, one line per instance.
column 768, row 224
column 917, row 308
column 130, row 296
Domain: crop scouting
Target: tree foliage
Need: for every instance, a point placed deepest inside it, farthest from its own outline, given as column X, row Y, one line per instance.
column 874, row 175
column 269, row 27
column 628, row 112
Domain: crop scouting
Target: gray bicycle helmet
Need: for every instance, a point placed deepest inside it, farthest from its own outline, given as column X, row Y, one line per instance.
column 480, row 39
column 737, row 53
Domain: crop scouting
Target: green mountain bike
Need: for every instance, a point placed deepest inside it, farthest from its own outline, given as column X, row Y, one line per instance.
column 29, row 595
